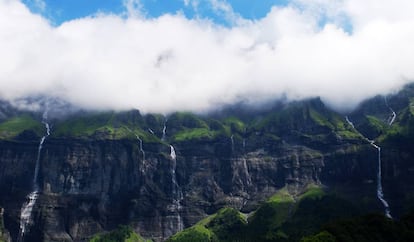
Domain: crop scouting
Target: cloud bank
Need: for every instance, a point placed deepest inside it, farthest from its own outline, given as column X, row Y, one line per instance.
column 170, row 63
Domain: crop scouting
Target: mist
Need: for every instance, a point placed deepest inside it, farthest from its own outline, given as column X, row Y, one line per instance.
column 342, row 51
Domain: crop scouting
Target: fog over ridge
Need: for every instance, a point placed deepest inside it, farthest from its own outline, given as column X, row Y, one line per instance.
column 171, row 63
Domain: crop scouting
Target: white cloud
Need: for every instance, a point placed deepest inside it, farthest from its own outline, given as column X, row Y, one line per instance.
column 222, row 7
column 40, row 4
column 134, row 8
column 173, row 63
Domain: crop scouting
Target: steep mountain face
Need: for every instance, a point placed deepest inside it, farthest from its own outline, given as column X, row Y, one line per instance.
column 161, row 174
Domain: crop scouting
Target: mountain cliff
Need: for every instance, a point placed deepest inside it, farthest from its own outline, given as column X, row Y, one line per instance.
column 161, row 174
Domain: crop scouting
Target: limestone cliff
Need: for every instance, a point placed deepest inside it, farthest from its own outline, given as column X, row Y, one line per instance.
column 97, row 172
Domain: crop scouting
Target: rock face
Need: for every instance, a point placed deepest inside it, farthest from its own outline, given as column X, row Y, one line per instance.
column 93, row 184
column 4, row 234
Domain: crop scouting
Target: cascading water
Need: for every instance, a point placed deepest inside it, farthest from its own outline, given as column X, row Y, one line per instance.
column 176, row 223
column 164, row 130
column 232, row 143
column 172, row 153
column 143, row 153
column 393, row 114
column 380, row 193
column 349, row 122
column 27, row 208
column 140, row 147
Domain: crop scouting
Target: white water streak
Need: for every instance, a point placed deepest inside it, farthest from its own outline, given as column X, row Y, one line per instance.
column 380, row 192
column 164, row 131
column 172, row 153
column 232, row 142
column 349, row 122
column 27, row 208
column 176, row 191
column 141, row 147
column 393, row 114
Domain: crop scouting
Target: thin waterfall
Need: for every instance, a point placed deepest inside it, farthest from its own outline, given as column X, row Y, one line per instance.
column 172, row 153
column 380, row 192
column 391, row 119
column 164, row 130
column 26, row 219
column 177, row 194
column 349, row 122
column 175, row 222
column 232, row 143
column 141, row 149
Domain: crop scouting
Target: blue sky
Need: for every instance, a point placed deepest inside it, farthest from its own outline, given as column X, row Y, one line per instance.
column 58, row 11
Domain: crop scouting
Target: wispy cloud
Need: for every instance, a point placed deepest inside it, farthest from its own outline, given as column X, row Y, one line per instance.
column 173, row 63
column 39, row 5
column 134, row 8
column 222, row 7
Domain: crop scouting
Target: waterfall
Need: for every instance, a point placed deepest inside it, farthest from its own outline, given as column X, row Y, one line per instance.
column 140, row 147
column 380, row 193
column 349, row 122
column 177, row 223
column 172, row 153
column 232, row 143
column 27, row 207
column 393, row 114
column 164, row 130
column 246, row 171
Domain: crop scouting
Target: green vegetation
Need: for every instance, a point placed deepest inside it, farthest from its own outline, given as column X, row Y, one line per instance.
column 107, row 125
column 309, row 121
column 267, row 220
column 188, row 120
column 321, row 237
column 235, row 125
column 194, row 134
column 14, row 126
column 283, row 217
column 367, row 228
column 225, row 225
column 282, row 196
column 376, row 124
column 315, row 208
column 194, row 233
column 228, row 225
column 312, row 192
column 184, row 126
column 90, row 125
column 121, row 234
